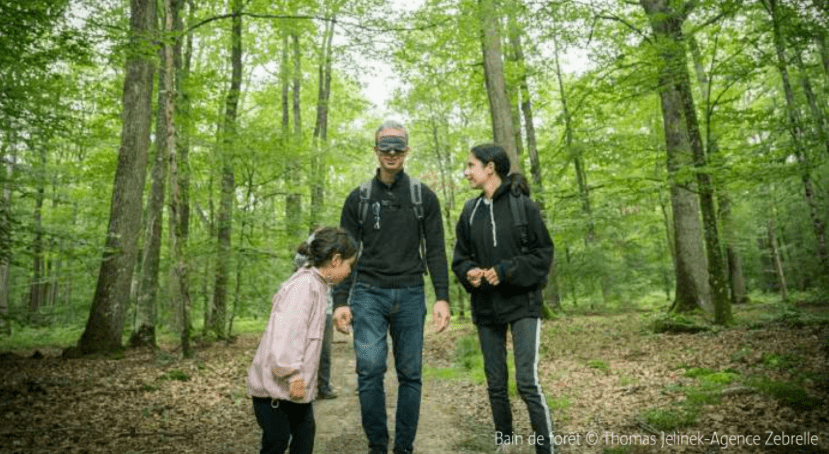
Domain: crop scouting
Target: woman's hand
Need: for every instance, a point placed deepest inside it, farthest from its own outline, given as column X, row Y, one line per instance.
column 491, row 276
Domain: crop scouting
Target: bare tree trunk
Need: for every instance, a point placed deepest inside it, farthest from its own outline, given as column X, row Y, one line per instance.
column 716, row 272
column 445, row 184
column 527, row 111
column 796, row 131
column 736, row 280
column 105, row 326
column 293, row 203
column 691, row 270
column 776, row 260
column 284, row 80
column 499, row 106
column 6, row 178
column 227, row 144
column 37, row 287
column 318, row 172
column 146, row 304
column 179, row 206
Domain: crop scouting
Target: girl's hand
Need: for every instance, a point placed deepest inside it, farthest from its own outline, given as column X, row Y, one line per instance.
column 297, row 389
column 474, row 276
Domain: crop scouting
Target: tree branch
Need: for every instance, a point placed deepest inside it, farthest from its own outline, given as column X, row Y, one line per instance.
column 314, row 17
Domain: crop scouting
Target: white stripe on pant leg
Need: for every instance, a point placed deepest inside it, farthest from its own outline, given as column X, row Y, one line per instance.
column 549, row 434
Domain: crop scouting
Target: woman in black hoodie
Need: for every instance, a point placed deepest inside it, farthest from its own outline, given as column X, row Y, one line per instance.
column 502, row 257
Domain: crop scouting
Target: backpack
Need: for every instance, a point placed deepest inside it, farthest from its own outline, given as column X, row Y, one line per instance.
column 518, row 206
column 417, row 206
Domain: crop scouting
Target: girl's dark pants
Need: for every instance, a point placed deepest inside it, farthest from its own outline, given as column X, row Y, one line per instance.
column 526, row 336
column 282, row 422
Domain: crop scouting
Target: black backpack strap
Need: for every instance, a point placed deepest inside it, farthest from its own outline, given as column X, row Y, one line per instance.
column 466, row 214
column 417, row 197
column 518, row 205
column 416, row 194
column 365, row 196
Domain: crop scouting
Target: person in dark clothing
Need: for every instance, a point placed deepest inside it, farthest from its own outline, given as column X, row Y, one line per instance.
column 504, row 265
column 386, row 295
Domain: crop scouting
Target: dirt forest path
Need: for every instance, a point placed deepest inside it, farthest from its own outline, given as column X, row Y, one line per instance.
column 338, row 420
column 153, row 401
column 601, row 375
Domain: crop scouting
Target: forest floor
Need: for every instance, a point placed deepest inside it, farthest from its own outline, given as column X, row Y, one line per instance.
column 612, row 388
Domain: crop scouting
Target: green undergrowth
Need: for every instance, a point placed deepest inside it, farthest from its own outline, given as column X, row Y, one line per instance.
column 791, row 394
column 706, row 390
column 469, row 365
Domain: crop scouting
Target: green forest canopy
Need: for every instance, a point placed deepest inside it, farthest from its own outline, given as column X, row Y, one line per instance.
column 301, row 138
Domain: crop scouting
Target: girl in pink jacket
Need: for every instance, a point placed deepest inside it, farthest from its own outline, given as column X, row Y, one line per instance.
column 282, row 380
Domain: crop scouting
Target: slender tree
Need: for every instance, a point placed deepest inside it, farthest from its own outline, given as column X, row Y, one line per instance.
column 320, row 138
column 293, row 202
column 691, row 267
column 503, row 131
column 228, row 184
column 796, row 130
column 7, row 161
column 105, row 326
column 146, row 304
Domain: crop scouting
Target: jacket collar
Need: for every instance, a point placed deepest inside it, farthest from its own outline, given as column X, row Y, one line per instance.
column 503, row 189
column 397, row 178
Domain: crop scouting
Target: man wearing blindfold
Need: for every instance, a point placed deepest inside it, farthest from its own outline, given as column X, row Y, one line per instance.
column 390, row 216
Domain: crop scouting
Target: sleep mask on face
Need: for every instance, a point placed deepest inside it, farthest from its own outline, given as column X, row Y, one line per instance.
column 388, row 144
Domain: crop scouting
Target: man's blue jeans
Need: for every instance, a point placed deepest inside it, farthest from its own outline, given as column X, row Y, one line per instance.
column 401, row 312
column 526, row 336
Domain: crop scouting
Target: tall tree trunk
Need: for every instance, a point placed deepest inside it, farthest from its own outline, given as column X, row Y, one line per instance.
column 37, row 287
column 691, row 270
column 777, row 262
column 318, row 173
column 716, row 271
column 105, row 326
column 146, row 304
column 796, row 131
column 527, row 111
column 499, row 105
column 293, row 203
column 227, row 144
column 179, row 206
column 445, row 184
column 736, row 279
column 6, row 178
column 285, row 82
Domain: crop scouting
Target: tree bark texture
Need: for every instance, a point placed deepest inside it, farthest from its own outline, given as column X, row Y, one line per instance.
column 37, row 287
column 692, row 288
column 177, row 152
column 105, row 326
column 503, row 130
column 736, row 281
column 527, row 112
column 797, row 133
column 716, row 271
column 146, row 304
column 227, row 144
column 777, row 261
column 293, row 202
column 318, row 173
column 6, row 177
